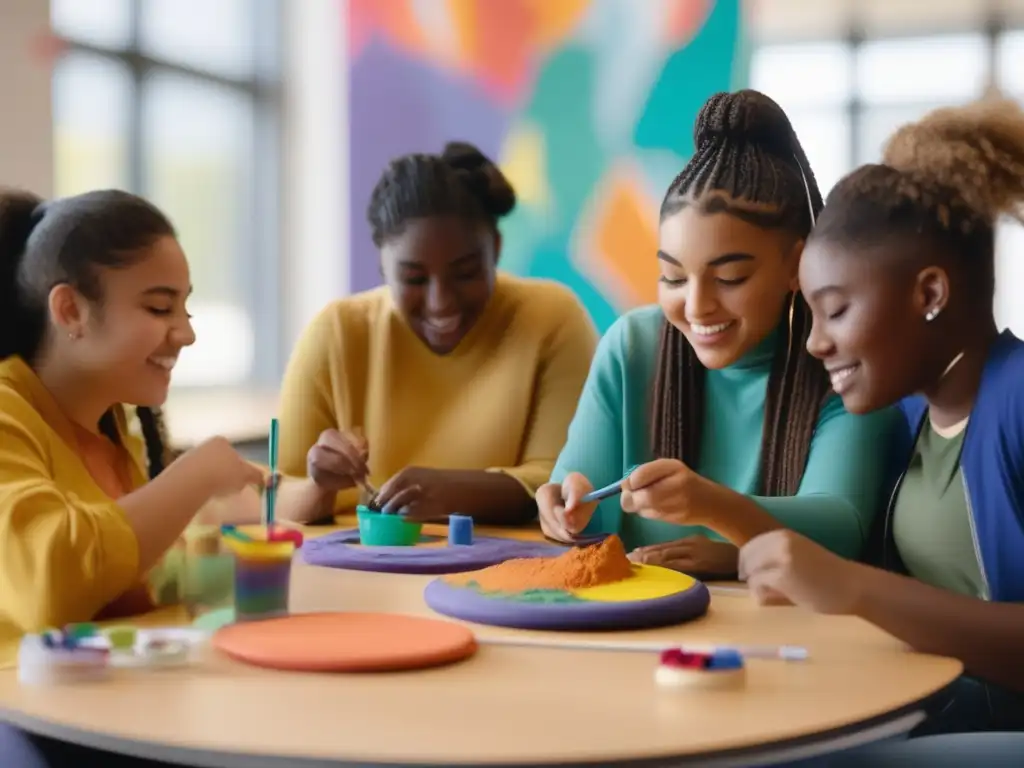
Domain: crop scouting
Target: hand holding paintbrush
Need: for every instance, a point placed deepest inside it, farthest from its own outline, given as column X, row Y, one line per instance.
column 566, row 508
column 339, row 461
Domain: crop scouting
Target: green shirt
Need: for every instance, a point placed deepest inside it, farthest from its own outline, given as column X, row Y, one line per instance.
column 931, row 522
column 842, row 484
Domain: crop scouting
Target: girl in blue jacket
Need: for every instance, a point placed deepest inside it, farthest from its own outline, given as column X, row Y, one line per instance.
column 899, row 274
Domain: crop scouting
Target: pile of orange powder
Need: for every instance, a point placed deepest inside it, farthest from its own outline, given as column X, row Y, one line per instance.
column 602, row 563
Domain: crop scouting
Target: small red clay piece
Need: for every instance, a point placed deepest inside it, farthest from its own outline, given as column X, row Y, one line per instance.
column 675, row 657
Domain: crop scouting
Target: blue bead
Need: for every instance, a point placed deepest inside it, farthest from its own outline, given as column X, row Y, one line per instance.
column 725, row 659
column 460, row 530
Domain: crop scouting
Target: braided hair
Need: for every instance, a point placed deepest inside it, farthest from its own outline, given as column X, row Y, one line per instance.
column 945, row 180
column 66, row 241
column 461, row 181
column 748, row 162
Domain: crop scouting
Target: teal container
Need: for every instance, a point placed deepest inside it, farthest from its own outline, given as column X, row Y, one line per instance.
column 379, row 530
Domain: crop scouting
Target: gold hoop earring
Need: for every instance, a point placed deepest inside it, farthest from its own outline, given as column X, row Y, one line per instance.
column 792, row 312
column 789, row 340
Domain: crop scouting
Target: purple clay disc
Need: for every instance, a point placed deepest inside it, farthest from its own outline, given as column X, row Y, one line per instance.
column 468, row 604
column 341, row 550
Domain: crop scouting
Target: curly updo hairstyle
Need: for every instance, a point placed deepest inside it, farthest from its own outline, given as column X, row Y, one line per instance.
column 944, row 181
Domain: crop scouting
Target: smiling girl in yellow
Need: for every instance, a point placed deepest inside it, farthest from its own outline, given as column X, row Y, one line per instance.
column 92, row 317
column 452, row 385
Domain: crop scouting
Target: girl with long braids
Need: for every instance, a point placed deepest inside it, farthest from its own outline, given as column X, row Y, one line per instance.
column 712, row 391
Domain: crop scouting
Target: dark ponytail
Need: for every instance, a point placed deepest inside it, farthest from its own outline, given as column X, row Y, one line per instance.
column 746, row 150
column 461, row 181
column 69, row 241
column 21, row 324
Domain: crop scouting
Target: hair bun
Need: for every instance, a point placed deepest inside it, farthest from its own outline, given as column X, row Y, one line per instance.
column 977, row 150
column 485, row 178
column 747, row 117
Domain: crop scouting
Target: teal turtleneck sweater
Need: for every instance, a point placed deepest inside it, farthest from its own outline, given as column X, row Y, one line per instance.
column 842, row 484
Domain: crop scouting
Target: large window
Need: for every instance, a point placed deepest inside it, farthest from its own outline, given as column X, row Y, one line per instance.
column 1010, row 261
column 177, row 101
column 846, row 97
column 813, row 83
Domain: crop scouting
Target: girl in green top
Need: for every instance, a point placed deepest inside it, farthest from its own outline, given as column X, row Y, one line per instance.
column 900, row 273
column 712, row 392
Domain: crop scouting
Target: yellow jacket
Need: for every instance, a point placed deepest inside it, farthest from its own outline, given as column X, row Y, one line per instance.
column 66, row 549
column 501, row 401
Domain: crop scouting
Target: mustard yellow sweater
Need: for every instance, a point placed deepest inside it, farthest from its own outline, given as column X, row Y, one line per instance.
column 502, row 401
column 66, row 549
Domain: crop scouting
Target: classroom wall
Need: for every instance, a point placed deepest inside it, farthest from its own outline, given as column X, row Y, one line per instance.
column 588, row 105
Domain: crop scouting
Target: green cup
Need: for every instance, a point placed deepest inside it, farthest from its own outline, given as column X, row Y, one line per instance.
column 379, row 530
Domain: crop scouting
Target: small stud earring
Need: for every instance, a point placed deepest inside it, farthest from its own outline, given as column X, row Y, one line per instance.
column 932, row 314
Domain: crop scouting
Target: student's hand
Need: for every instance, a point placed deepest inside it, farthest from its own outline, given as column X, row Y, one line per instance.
column 694, row 554
column 785, row 565
column 562, row 516
column 664, row 489
column 417, row 493
column 338, row 460
column 221, row 469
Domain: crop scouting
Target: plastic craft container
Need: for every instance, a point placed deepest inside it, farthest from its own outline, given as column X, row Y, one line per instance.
column 40, row 663
column 208, row 581
column 262, row 573
column 379, row 530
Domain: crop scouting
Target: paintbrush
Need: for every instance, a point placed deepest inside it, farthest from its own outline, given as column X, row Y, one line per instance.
column 608, row 490
column 364, row 482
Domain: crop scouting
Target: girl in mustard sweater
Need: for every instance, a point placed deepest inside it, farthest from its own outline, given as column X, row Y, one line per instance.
column 92, row 315
column 450, row 387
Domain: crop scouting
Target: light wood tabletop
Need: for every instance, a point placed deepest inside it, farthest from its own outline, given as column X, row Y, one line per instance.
column 508, row 705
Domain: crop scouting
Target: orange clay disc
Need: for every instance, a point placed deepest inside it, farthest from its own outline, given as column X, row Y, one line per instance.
column 346, row 642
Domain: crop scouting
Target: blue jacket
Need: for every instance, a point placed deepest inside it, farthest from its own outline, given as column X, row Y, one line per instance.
column 992, row 465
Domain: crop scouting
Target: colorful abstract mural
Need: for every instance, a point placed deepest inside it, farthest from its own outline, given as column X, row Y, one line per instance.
column 588, row 105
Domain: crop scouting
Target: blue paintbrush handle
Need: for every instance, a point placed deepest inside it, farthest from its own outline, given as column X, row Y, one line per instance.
column 603, row 493
column 608, row 490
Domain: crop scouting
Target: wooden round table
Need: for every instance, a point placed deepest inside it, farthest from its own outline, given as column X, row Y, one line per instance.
column 508, row 705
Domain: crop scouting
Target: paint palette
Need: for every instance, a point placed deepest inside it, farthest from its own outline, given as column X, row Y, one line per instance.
column 651, row 597
column 84, row 652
